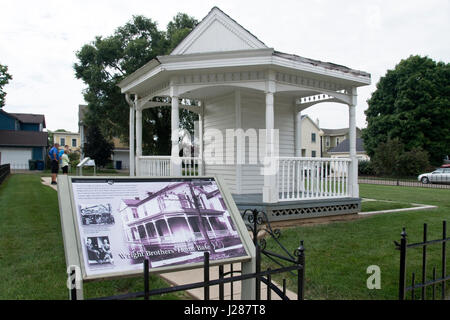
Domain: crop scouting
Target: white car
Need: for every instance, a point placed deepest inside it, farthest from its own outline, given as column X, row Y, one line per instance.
column 441, row 175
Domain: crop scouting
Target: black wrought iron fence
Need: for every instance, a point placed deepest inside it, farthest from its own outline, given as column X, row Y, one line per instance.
column 439, row 278
column 255, row 223
column 5, row 170
column 432, row 182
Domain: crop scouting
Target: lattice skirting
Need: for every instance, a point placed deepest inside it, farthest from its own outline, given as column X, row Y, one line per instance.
column 313, row 211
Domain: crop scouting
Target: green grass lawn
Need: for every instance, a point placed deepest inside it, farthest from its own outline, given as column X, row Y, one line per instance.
column 338, row 254
column 32, row 260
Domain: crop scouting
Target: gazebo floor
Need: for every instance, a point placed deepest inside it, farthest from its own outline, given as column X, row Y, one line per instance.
column 298, row 209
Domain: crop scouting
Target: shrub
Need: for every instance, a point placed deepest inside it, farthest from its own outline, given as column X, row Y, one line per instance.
column 365, row 168
column 391, row 159
column 74, row 159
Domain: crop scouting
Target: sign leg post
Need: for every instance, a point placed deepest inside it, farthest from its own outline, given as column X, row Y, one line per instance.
column 248, row 286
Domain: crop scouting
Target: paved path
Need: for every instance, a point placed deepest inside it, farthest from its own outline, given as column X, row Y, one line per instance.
column 196, row 275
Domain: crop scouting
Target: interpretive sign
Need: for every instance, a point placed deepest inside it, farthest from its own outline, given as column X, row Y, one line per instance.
column 119, row 222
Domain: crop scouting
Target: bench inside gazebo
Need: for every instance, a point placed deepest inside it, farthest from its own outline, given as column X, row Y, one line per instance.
column 251, row 95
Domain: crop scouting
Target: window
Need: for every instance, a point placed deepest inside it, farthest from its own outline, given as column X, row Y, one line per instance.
column 337, row 141
column 313, row 154
column 313, row 137
column 62, row 142
column 74, row 142
column 135, row 213
column 328, row 142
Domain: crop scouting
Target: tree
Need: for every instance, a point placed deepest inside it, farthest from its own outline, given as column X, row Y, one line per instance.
column 97, row 147
column 103, row 63
column 391, row 159
column 4, row 80
column 411, row 103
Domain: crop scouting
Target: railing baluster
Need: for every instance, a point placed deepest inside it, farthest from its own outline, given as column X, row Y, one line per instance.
column 293, row 179
column 424, row 261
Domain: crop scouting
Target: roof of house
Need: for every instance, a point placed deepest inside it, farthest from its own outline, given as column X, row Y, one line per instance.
column 29, row 118
column 137, row 202
column 344, row 146
column 23, row 138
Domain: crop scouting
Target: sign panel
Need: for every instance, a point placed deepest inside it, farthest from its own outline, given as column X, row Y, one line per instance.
column 171, row 222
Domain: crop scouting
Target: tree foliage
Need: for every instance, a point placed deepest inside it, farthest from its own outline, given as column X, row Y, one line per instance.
column 411, row 103
column 106, row 61
column 391, row 159
column 97, row 147
column 4, row 80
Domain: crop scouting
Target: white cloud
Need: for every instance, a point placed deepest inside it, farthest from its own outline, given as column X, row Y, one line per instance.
column 38, row 41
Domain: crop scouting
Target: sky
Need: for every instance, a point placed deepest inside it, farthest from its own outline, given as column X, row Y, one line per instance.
column 39, row 40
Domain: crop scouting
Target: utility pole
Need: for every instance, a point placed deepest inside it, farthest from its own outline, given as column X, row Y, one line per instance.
column 201, row 224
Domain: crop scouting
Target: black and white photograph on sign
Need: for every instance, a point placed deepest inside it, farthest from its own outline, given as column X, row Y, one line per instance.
column 98, row 250
column 169, row 222
column 97, row 214
column 177, row 223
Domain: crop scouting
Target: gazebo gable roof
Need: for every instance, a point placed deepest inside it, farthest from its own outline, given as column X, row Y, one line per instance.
column 218, row 32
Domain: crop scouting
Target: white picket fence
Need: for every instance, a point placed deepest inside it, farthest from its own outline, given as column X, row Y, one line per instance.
column 312, row 178
column 159, row 166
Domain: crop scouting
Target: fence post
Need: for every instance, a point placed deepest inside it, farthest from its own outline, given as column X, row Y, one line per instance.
column 444, row 257
column 301, row 272
column 146, row 280
column 402, row 281
column 221, row 285
column 206, row 275
column 258, row 271
column 424, row 260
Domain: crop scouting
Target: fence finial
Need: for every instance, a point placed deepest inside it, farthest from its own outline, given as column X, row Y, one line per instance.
column 404, row 234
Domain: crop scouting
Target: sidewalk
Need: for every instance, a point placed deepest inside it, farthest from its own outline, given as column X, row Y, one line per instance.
column 196, row 275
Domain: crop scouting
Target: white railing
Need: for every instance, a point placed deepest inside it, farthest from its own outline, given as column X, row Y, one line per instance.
column 312, row 178
column 159, row 166
column 154, row 166
column 191, row 167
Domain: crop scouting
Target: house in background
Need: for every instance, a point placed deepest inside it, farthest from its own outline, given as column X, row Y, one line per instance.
column 121, row 150
column 310, row 137
column 342, row 150
column 72, row 139
column 22, row 139
column 333, row 137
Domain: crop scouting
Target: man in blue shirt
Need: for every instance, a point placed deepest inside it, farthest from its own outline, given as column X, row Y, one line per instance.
column 54, row 158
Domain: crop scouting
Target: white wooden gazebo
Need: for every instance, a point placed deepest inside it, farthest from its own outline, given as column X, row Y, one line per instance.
column 236, row 84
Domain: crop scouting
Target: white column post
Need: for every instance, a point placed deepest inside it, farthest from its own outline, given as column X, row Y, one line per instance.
column 175, row 160
column 239, row 153
column 201, row 127
column 131, row 133
column 270, row 189
column 353, row 172
column 138, row 138
column 298, row 131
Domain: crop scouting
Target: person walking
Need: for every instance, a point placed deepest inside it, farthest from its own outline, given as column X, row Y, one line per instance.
column 54, row 158
column 65, row 161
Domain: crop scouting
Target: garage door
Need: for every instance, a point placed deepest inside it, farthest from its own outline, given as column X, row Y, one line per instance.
column 16, row 157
